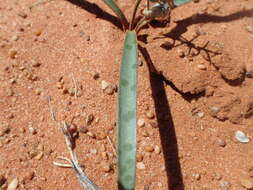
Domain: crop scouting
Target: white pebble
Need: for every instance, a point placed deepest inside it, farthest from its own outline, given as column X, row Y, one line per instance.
column 141, row 166
column 93, row 151
column 104, row 84
column 241, row 137
column 13, row 184
column 141, row 122
column 200, row 114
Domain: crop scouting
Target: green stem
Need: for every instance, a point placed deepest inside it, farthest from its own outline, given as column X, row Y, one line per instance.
column 137, row 3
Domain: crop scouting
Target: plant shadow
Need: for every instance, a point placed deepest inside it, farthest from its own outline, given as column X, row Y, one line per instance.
column 176, row 35
column 166, row 127
column 96, row 10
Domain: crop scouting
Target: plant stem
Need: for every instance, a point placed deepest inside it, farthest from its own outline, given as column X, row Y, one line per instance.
column 114, row 7
column 137, row 3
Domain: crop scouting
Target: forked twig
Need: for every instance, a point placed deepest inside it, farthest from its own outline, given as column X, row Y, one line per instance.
column 85, row 182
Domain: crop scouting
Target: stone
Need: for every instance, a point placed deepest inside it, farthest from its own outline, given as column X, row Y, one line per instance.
column 246, row 183
column 141, row 123
column 140, row 166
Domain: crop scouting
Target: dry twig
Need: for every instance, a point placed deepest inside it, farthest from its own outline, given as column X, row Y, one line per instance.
column 113, row 149
column 85, row 182
column 51, row 108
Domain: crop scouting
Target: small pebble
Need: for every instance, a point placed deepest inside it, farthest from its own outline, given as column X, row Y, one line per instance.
column 149, row 148
column 217, row 176
column 139, row 157
column 13, row 184
column 9, row 92
column 249, row 74
column 106, row 167
column 200, row 114
column 28, row 176
column 38, row 32
column 39, row 156
column 221, row 142
column 140, row 166
column 71, row 91
column 104, row 84
column 215, row 109
column 100, row 135
column 104, row 155
column 150, row 115
column 180, row 53
column 10, row 116
column 141, row 123
column 109, row 90
column 32, row 130
column 146, row 187
column 83, row 129
column 249, row 28
column 225, row 185
column 157, row 149
column 144, row 133
column 13, row 81
column 13, row 54
column 201, row 67
column 197, row 176
column 93, row 151
column 90, row 134
column 36, row 63
column 247, row 183
column 241, row 137
column 38, row 91
column 15, row 38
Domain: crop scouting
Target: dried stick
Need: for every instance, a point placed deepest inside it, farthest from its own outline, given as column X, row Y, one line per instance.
column 85, row 182
column 51, row 109
column 113, row 149
column 75, row 84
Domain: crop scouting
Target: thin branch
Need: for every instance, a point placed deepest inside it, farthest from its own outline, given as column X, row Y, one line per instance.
column 75, row 84
column 51, row 109
column 85, row 182
column 137, row 3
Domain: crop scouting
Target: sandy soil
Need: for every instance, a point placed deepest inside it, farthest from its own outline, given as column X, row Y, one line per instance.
column 195, row 92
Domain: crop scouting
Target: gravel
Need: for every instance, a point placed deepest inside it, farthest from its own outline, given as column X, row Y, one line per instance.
column 13, row 184
column 221, row 142
column 149, row 148
column 246, row 183
column 241, row 137
column 140, row 166
column 157, row 149
column 150, row 114
column 104, row 84
column 225, row 185
column 141, row 123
